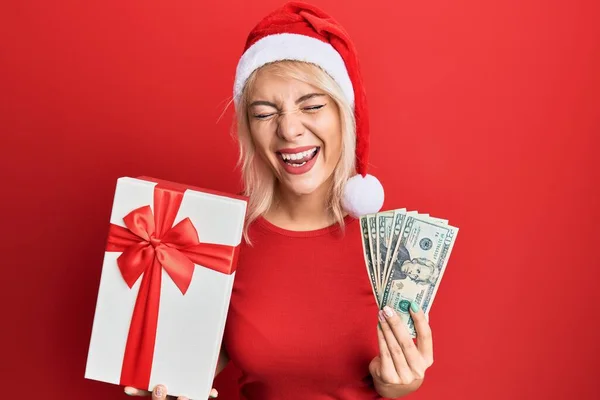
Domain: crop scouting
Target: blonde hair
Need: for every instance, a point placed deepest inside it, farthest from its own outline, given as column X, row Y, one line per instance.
column 258, row 180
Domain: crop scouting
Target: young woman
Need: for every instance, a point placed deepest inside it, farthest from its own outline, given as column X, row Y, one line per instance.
column 303, row 322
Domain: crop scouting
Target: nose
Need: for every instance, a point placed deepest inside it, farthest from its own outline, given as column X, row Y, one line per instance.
column 290, row 126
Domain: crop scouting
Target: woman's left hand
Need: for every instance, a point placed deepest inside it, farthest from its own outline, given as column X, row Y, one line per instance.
column 400, row 367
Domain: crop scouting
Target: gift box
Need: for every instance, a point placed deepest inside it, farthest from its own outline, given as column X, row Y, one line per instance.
column 165, row 286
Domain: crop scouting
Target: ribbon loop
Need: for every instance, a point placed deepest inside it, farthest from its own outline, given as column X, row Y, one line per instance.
column 140, row 222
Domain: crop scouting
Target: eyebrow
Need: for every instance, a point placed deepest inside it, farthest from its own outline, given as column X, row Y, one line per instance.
column 299, row 100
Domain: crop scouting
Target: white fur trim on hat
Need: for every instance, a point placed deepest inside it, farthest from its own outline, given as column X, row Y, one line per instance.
column 362, row 195
column 292, row 46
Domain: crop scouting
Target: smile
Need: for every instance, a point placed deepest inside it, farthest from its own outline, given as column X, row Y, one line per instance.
column 299, row 160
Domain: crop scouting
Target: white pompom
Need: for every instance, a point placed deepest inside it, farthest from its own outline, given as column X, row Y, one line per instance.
column 362, row 195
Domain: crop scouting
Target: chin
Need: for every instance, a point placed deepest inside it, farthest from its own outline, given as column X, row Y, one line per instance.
column 302, row 189
column 304, row 186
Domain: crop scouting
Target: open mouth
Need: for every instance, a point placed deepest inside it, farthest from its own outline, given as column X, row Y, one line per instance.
column 299, row 159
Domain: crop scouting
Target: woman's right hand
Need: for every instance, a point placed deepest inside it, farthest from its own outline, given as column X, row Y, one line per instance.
column 160, row 393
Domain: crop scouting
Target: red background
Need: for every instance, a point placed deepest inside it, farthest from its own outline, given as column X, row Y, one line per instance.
column 483, row 112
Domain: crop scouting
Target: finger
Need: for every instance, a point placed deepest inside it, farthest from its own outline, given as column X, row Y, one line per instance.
column 414, row 359
column 387, row 371
column 424, row 336
column 400, row 363
column 131, row 391
column 159, row 392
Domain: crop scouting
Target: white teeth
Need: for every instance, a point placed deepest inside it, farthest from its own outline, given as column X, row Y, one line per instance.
column 298, row 156
column 297, row 165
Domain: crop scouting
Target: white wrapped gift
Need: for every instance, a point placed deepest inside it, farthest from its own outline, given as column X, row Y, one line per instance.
column 165, row 286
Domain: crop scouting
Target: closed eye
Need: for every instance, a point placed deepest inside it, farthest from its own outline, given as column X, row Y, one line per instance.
column 314, row 108
column 309, row 109
column 263, row 116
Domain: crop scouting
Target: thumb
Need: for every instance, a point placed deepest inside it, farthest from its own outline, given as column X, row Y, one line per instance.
column 375, row 367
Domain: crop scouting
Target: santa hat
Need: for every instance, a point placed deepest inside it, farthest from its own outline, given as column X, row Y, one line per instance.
column 303, row 32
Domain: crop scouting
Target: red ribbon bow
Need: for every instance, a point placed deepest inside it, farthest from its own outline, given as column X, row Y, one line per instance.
column 148, row 244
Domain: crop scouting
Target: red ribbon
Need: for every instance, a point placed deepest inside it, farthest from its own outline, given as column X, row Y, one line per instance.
column 148, row 244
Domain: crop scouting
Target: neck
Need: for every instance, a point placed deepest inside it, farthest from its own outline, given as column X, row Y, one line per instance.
column 301, row 212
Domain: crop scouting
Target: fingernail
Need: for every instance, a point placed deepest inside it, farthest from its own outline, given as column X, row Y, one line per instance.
column 381, row 316
column 158, row 391
column 388, row 311
column 213, row 393
column 414, row 307
column 128, row 391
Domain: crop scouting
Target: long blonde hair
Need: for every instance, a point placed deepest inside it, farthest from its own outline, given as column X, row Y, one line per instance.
column 258, row 180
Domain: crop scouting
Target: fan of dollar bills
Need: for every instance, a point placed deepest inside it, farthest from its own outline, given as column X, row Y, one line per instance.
column 406, row 254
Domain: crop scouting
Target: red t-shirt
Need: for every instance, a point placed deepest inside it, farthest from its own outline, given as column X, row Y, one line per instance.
column 302, row 322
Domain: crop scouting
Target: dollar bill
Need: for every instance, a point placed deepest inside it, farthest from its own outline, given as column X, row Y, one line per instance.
column 439, row 220
column 398, row 224
column 417, row 266
column 391, row 230
column 384, row 222
column 372, row 219
column 395, row 231
column 364, row 225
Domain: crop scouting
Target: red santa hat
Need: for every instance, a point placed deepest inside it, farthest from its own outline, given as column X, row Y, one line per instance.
column 303, row 32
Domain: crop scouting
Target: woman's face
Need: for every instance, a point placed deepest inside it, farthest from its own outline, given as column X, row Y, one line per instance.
column 296, row 129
